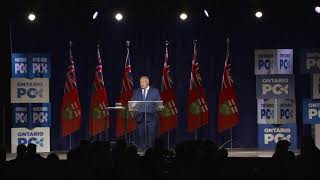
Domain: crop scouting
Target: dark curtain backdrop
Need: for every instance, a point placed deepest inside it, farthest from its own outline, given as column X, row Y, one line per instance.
column 147, row 52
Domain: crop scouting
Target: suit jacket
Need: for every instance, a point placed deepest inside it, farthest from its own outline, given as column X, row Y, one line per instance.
column 152, row 95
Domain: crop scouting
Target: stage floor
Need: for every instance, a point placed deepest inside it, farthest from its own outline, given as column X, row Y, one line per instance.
column 231, row 153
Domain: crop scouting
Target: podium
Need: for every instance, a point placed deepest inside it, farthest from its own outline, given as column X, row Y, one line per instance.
column 145, row 106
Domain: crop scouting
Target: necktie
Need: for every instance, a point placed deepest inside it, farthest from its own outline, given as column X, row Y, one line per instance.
column 144, row 94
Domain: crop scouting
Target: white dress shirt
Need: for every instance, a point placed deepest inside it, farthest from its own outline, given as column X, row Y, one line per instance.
column 146, row 92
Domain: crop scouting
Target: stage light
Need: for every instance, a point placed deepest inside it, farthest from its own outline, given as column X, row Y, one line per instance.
column 206, row 13
column 118, row 16
column 317, row 9
column 95, row 15
column 183, row 16
column 31, row 17
column 259, row 14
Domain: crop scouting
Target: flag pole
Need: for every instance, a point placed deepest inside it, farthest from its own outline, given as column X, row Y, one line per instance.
column 70, row 136
column 200, row 122
column 127, row 134
column 195, row 46
column 195, row 134
column 225, row 63
column 105, row 126
column 231, row 138
column 90, row 128
column 125, row 124
column 194, row 54
column 70, row 141
column 107, row 137
column 166, row 57
column 168, row 139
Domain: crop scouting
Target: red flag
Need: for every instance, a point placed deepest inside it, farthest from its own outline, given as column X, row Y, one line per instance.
column 197, row 102
column 168, row 116
column 228, row 111
column 70, row 109
column 99, row 117
column 125, row 96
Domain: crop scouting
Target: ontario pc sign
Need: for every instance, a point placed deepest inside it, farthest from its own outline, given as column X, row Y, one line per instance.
column 286, row 111
column 273, row 61
column 29, row 90
column 41, row 115
column 275, row 87
column 33, row 65
column 316, row 86
column 311, row 111
column 310, row 61
column 276, row 111
column 266, row 111
column 38, row 136
column 20, row 115
column 269, row 135
column 31, row 115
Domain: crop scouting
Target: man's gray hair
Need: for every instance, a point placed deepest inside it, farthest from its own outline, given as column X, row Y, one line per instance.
column 144, row 77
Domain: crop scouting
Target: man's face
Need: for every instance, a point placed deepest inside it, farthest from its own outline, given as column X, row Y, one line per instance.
column 144, row 82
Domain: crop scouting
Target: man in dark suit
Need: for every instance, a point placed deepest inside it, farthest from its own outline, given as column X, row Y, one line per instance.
column 146, row 93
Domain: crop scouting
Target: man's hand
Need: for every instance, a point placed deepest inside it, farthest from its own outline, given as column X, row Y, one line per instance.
column 160, row 108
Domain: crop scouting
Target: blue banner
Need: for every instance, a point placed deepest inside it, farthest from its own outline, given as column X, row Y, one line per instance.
column 276, row 111
column 19, row 65
column 31, row 115
column 310, row 61
column 275, row 87
column 25, row 90
column 284, row 61
column 315, row 94
column 267, row 111
column 273, row 61
column 32, row 65
column 311, row 111
column 20, row 116
column 39, row 136
column 286, row 111
column 269, row 135
column 264, row 61
column 41, row 115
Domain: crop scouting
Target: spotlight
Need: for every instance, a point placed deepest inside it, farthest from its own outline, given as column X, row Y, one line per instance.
column 183, row 16
column 206, row 13
column 317, row 9
column 95, row 15
column 258, row 14
column 31, row 17
column 118, row 16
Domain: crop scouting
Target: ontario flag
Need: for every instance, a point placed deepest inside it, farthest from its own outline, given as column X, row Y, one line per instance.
column 228, row 111
column 197, row 102
column 168, row 116
column 70, row 109
column 99, row 117
column 125, row 96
